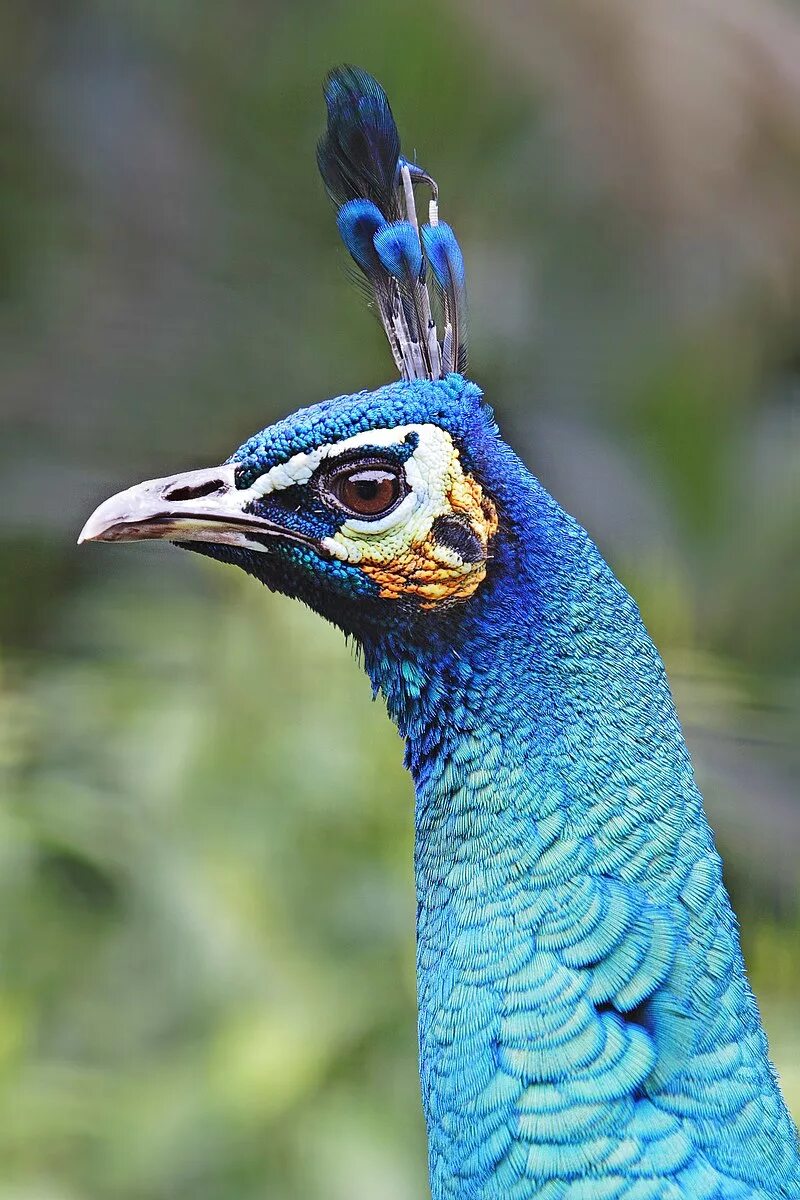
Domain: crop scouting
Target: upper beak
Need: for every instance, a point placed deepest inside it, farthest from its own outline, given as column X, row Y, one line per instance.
column 196, row 506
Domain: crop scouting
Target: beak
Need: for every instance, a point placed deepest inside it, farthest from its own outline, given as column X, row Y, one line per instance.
column 196, row 506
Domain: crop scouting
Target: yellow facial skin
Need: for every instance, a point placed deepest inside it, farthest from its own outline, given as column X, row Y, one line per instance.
column 433, row 573
column 403, row 555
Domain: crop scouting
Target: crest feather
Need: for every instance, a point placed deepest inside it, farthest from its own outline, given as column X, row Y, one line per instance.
column 372, row 186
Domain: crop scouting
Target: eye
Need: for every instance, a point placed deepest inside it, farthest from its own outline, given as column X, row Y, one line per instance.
column 366, row 489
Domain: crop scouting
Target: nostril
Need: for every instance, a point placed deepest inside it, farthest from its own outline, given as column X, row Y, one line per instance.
column 196, row 492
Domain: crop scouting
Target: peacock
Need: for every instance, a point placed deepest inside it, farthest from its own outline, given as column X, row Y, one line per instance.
column 586, row 1027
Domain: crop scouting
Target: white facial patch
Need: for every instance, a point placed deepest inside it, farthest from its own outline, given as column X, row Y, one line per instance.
column 427, row 475
column 427, row 471
column 402, row 552
column 300, row 467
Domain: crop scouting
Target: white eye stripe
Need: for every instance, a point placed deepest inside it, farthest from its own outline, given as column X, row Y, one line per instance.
column 427, row 472
column 297, row 470
column 300, row 467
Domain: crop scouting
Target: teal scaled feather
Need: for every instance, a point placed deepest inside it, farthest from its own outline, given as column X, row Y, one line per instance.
column 586, row 1028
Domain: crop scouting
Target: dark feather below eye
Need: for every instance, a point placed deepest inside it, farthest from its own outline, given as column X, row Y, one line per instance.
column 457, row 534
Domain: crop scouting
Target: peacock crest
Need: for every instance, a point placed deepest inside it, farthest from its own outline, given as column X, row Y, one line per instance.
column 372, row 186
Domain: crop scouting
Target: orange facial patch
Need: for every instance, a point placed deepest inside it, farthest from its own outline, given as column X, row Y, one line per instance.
column 432, row 570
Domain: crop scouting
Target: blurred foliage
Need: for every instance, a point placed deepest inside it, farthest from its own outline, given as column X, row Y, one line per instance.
column 207, row 980
column 204, row 985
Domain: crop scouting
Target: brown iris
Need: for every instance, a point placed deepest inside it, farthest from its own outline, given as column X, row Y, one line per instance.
column 366, row 489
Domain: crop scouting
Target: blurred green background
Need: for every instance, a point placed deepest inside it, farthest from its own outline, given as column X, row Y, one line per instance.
column 206, row 944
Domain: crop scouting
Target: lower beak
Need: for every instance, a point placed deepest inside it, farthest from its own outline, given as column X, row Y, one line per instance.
column 197, row 506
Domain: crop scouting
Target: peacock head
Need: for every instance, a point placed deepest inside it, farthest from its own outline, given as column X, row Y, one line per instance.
column 370, row 507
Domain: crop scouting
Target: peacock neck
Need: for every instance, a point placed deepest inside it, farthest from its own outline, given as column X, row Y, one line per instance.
column 545, row 749
column 576, row 952
column 545, row 693
column 540, row 730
